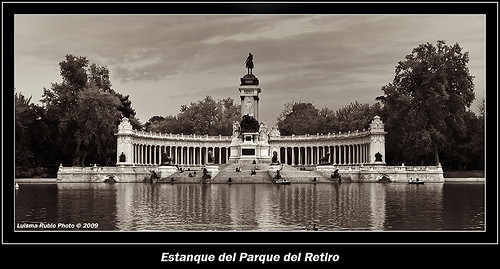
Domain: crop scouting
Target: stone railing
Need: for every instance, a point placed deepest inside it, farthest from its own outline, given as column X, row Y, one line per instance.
column 369, row 167
column 191, row 137
column 318, row 136
column 103, row 169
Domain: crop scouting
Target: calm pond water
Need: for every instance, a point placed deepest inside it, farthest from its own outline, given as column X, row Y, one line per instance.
column 267, row 207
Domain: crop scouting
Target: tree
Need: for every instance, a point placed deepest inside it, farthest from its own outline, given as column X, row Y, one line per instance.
column 98, row 116
column 302, row 118
column 355, row 116
column 82, row 112
column 427, row 100
column 168, row 124
column 24, row 119
column 207, row 116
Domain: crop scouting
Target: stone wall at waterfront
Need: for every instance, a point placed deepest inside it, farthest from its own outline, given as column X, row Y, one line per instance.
column 374, row 173
column 378, row 173
column 101, row 173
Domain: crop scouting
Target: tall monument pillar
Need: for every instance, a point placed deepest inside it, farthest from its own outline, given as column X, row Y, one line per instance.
column 249, row 94
column 250, row 138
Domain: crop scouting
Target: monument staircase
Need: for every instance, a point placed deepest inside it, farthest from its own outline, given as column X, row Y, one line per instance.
column 295, row 175
column 184, row 176
column 245, row 176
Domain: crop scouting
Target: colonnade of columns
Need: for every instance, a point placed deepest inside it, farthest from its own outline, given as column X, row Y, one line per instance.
column 144, row 154
column 339, row 154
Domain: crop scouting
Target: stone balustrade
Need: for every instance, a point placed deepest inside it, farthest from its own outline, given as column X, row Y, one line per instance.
column 191, row 137
column 340, row 135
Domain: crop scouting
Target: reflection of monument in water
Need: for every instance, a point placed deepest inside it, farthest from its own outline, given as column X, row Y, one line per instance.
column 244, row 157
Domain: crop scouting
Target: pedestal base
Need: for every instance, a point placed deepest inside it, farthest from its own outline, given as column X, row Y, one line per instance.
column 212, row 169
column 325, row 168
column 165, row 171
column 274, row 167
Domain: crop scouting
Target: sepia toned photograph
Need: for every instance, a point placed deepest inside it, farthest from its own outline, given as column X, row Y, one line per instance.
column 249, row 123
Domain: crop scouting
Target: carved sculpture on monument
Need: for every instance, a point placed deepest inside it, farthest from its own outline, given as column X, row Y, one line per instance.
column 274, row 160
column 122, row 157
column 325, row 160
column 124, row 125
column 263, row 132
column 275, row 132
column 166, row 160
column 210, row 157
column 236, row 129
column 249, row 63
column 376, row 125
column 249, row 124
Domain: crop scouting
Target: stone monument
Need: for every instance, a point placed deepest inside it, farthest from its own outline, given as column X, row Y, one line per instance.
column 252, row 140
column 166, row 167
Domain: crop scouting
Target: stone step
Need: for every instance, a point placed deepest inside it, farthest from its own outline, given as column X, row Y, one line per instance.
column 245, row 176
column 301, row 176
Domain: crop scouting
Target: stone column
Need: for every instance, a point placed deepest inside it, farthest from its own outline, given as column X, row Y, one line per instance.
column 351, row 153
column 182, row 155
column 189, row 156
column 173, row 150
column 145, row 152
column 150, row 153
column 359, row 154
column 317, row 155
column 196, row 156
column 135, row 151
column 140, row 154
column 162, row 151
column 155, row 152
column 333, row 153
column 347, row 151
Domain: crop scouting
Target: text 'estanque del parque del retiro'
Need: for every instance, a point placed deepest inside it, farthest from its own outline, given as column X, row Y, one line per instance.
column 252, row 154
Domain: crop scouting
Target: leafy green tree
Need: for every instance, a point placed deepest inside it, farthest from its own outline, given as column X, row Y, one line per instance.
column 427, row 100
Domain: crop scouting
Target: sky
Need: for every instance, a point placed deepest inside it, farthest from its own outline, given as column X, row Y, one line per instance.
column 165, row 61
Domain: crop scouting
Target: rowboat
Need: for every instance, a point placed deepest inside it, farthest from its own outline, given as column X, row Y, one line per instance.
column 283, row 181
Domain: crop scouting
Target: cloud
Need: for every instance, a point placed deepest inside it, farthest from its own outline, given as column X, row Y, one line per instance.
column 178, row 59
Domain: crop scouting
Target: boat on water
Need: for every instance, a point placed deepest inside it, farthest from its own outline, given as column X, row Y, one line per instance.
column 415, row 181
column 283, row 181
